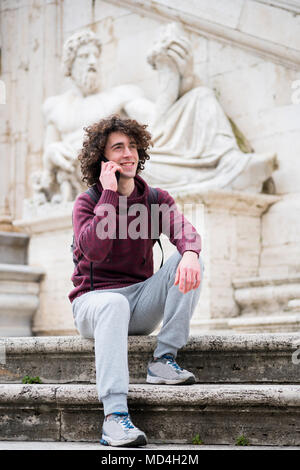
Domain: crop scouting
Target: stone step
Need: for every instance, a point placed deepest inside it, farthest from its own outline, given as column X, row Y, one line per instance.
column 46, row 445
column 218, row 358
column 218, row 413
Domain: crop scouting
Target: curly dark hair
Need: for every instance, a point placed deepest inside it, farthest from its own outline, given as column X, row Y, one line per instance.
column 95, row 140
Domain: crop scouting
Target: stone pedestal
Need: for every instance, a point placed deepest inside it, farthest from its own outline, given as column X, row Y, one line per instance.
column 267, row 304
column 13, row 247
column 50, row 229
column 6, row 223
column 19, row 298
column 19, row 286
column 230, row 226
column 281, row 238
column 6, row 218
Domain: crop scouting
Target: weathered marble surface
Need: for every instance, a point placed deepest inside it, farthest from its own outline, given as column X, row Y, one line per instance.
column 246, row 52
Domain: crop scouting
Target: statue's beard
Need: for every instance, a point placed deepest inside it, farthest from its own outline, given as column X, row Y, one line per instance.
column 87, row 81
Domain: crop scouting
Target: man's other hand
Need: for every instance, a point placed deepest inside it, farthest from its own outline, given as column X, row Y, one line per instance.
column 188, row 274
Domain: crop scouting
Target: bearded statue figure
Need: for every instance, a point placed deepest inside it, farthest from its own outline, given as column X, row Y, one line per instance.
column 60, row 179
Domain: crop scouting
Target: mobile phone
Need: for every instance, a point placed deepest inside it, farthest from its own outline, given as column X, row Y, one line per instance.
column 117, row 173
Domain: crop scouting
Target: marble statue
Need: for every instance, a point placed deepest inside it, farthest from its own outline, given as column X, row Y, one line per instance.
column 193, row 140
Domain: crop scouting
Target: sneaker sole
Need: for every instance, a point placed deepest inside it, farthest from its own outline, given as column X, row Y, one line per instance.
column 160, row 381
column 139, row 441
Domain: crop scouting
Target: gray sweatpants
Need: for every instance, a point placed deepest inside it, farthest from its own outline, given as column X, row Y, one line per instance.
column 110, row 315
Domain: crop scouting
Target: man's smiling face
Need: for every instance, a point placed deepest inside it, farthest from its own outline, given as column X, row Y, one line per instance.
column 122, row 149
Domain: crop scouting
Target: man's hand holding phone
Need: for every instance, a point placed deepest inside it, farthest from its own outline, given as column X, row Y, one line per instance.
column 108, row 177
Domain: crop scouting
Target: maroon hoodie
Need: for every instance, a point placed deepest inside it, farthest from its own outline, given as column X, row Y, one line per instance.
column 119, row 261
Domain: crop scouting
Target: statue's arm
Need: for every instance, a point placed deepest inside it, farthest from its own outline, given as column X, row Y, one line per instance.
column 134, row 103
column 51, row 135
column 172, row 57
column 168, row 87
column 138, row 107
column 54, row 153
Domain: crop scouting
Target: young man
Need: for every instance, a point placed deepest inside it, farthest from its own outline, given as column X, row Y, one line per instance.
column 115, row 291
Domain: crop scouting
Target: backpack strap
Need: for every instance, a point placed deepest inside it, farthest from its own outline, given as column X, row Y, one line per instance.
column 153, row 199
column 72, row 249
column 94, row 194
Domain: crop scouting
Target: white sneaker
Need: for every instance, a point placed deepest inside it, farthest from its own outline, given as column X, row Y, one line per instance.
column 118, row 430
column 165, row 370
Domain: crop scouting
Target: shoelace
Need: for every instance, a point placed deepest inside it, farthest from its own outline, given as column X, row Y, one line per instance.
column 172, row 362
column 125, row 421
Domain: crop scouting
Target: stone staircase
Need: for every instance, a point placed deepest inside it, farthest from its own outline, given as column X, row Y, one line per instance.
column 247, row 385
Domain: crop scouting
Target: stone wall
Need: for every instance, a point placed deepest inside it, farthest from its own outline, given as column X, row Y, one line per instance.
column 248, row 51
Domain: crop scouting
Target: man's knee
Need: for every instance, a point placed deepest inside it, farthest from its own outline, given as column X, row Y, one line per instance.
column 105, row 307
column 114, row 303
column 111, row 313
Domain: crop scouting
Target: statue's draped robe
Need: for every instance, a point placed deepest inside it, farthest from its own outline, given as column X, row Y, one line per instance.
column 194, row 143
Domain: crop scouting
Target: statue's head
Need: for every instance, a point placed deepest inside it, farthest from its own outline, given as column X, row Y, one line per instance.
column 80, row 60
